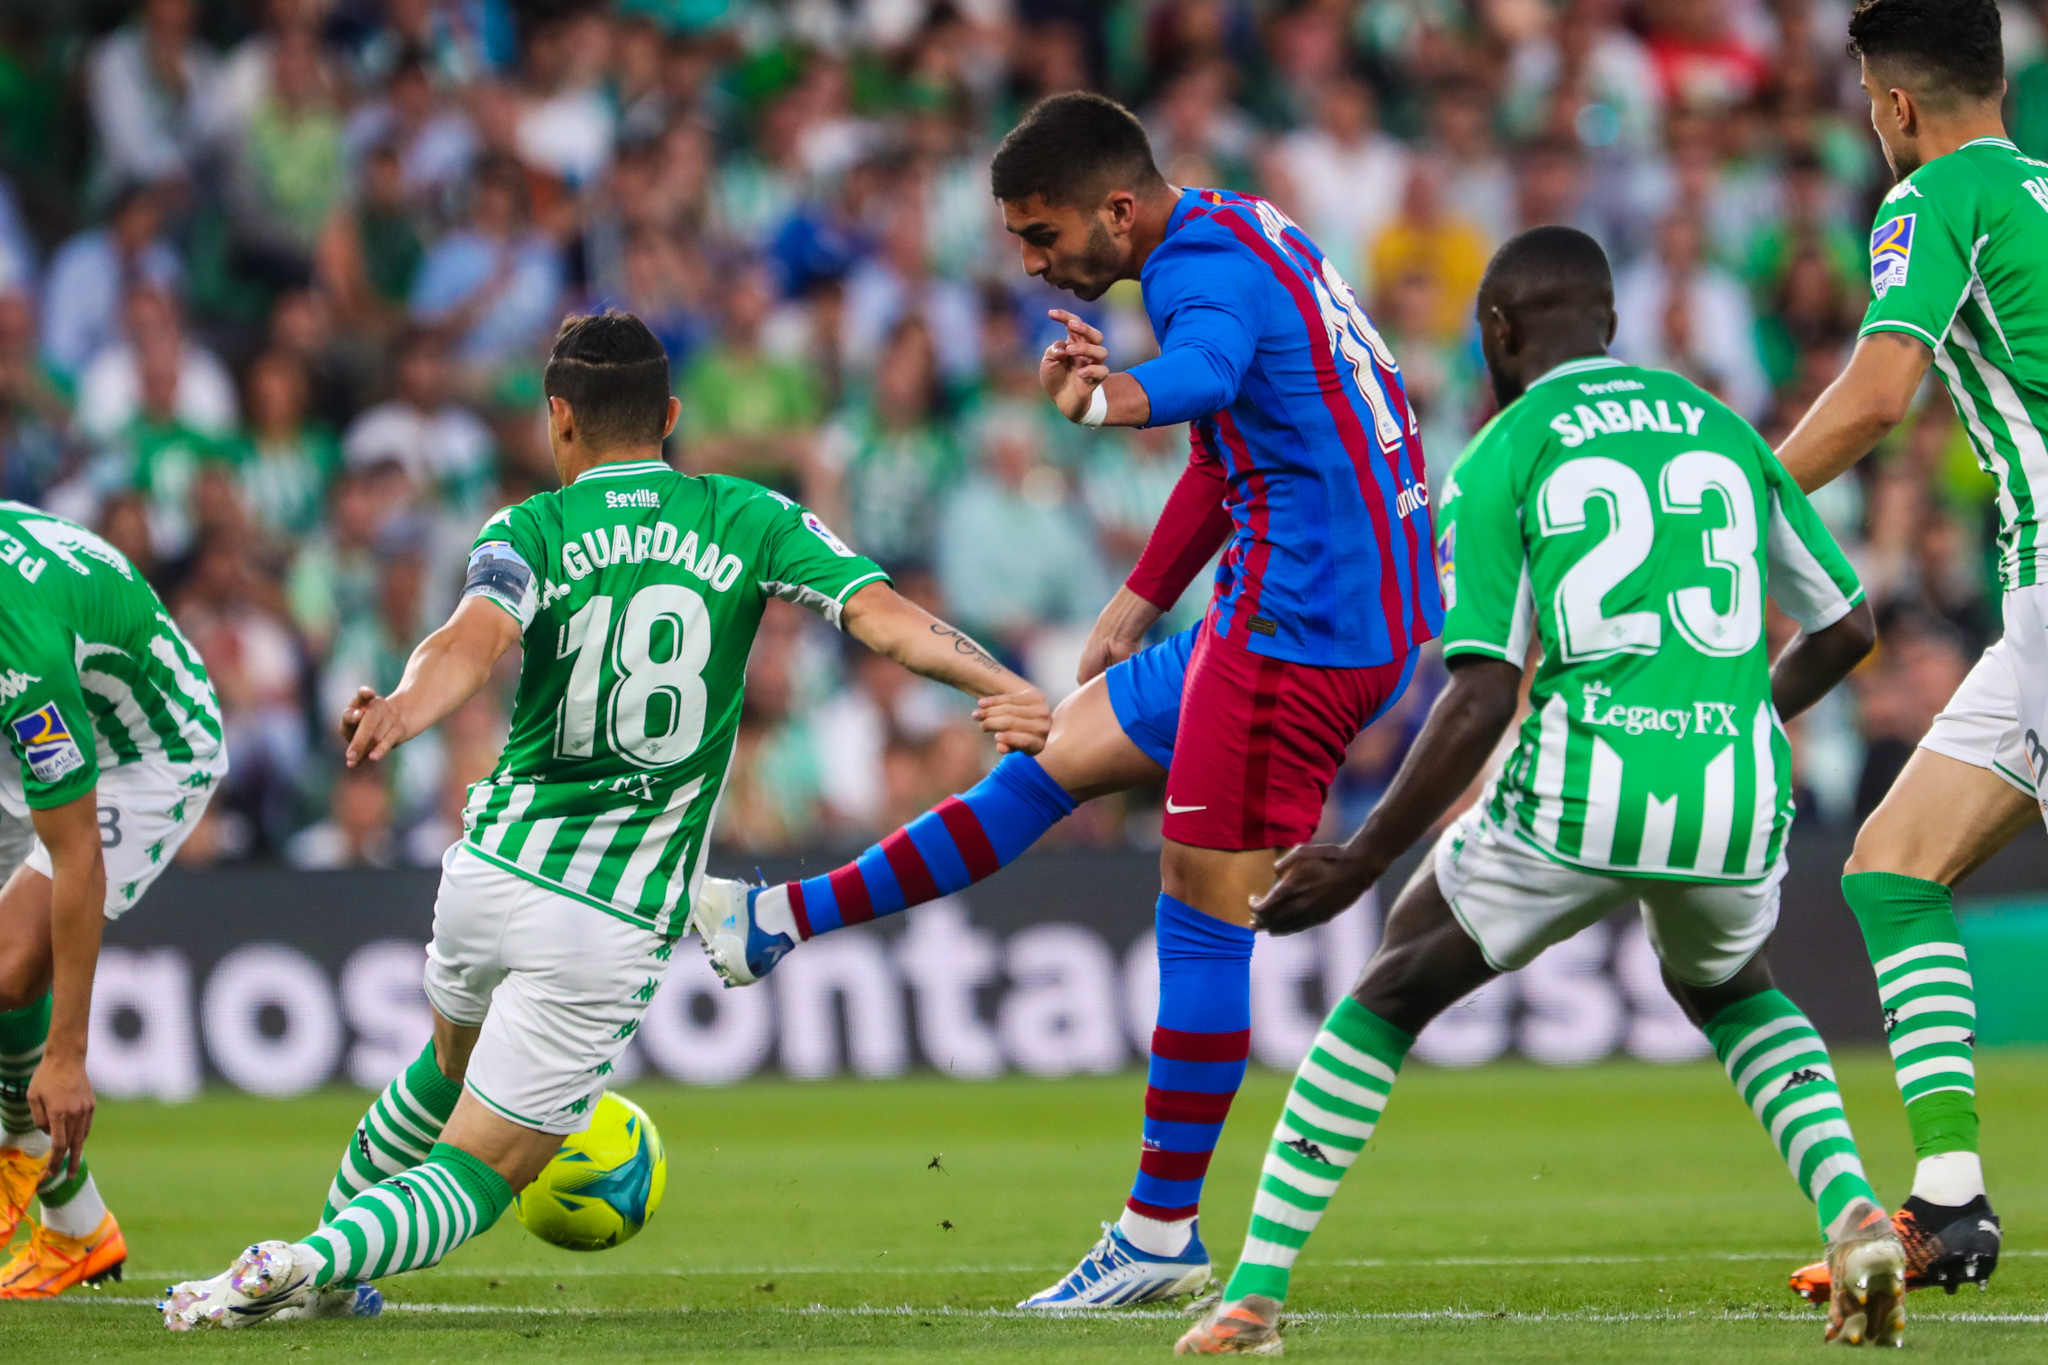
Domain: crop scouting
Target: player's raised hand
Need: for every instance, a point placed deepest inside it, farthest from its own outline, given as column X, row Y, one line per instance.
column 1316, row 883
column 1019, row 721
column 1074, row 366
column 371, row 727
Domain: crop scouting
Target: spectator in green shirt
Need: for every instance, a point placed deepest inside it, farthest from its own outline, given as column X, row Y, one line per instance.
column 283, row 460
column 746, row 412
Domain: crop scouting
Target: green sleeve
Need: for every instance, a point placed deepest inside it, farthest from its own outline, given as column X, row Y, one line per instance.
column 803, row 562
column 1919, row 262
column 43, row 709
column 1810, row 578
column 1482, row 562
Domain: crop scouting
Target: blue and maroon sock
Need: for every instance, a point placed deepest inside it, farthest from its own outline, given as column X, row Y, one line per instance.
column 957, row 843
column 1199, row 1049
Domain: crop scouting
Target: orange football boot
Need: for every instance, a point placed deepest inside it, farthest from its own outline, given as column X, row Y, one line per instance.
column 1946, row 1247
column 20, row 1173
column 51, row 1263
column 1248, row 1327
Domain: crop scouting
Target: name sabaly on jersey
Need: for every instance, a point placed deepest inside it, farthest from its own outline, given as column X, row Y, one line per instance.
column 1633, row 525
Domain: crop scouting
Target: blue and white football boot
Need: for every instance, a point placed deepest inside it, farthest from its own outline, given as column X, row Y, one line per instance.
column 1117, row 1274
column 745, row 929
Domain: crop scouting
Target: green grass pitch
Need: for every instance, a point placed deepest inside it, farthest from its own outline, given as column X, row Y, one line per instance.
column 1616, row 1213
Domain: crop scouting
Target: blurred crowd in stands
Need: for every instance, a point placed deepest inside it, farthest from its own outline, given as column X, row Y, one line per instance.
column 277, row 279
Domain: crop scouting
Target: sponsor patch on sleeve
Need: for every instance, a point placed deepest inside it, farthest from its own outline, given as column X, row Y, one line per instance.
column 823, row 532
column 1891, row 253
column 1447, row 564
column 46, row 744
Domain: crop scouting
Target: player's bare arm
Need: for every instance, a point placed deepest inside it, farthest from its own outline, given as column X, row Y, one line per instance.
column 1011, row 709
column 1813, row 663
column 1870, row 397
column 446, row 670
column 1318, row 882
column 1118, row 633
column 60, row 1097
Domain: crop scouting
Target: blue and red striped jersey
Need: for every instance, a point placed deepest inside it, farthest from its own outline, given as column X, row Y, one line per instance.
column 1265, row 350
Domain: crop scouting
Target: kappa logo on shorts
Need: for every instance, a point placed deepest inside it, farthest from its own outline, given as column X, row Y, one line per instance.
column 1891, row 253
column 46, row 744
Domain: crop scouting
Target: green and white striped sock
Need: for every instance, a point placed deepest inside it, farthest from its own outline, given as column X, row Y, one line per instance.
column 397, row 1133
column 1930, row 1016
column 1781, row 1069
column 411, row 1220
column 1336, row 1100
column 22, row 1034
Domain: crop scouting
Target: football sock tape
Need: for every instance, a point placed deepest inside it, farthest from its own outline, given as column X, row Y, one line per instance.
column 957, row 843
column 411, row 1220
column 1930, row 1006
column 1200, row 1044
column 397, row 1132
column 1780, row 1067
column 1332, row 1108
column 22, row 1033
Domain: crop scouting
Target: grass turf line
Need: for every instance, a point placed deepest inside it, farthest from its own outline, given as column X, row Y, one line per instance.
column 1513, row 1213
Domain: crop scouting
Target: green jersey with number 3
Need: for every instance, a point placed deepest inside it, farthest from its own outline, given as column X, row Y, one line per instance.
column 1957, row 259
column 638, row 591
column 93, row 674
column 1633, row 525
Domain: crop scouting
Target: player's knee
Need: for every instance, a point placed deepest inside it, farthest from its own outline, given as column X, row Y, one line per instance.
column 24, row 977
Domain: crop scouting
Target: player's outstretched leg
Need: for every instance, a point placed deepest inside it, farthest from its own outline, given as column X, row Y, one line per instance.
column 407, row 1222
column 964, row 839
column 77, row 1242
column 1200, row 1046
column 397, row 1132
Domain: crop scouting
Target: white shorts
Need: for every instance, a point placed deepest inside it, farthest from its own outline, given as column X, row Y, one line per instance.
column 558, row 986
column 2004, row 698
column 1515, row 902
column 147, row 810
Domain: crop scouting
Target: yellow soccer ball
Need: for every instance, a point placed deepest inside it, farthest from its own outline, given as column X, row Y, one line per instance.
column 603, row 1185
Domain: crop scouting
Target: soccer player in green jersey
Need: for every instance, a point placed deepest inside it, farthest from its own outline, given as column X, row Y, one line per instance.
column 1632, row 525
column 115, row 736
column 636, row 592
column 1957, row 283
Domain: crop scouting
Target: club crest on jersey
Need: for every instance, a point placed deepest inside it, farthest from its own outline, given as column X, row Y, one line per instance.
column 1891, row 253
column 823, row 532
column 46, row 744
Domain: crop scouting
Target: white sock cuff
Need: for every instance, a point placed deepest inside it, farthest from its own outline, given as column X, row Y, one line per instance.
column 1949, row 1178
column 1154, row 1236
column 35, row 1141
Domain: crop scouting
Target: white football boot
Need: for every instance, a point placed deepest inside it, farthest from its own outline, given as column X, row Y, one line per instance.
column 264, row 1280
column 1117, row 1274
column 745, row 929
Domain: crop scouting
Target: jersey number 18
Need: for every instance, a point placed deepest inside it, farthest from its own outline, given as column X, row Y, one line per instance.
column 654, row 715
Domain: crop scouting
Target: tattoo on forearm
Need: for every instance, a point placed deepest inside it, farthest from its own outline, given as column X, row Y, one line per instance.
column 966, row 648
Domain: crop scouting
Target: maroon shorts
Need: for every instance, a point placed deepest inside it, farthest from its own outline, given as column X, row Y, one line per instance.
column 1260, row 741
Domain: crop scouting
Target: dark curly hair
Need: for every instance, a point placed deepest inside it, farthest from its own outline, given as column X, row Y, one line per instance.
column 1948, row 51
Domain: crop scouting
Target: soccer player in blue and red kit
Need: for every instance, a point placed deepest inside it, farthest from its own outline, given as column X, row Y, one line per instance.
column 1304, row 456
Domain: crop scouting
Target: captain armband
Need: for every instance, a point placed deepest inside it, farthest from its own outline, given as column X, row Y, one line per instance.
column 497, row 572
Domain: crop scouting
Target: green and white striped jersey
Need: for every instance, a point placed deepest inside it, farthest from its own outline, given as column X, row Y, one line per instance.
column 1632, row 524
column 93, row 674
column 638, row 591
column 1957, row 260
